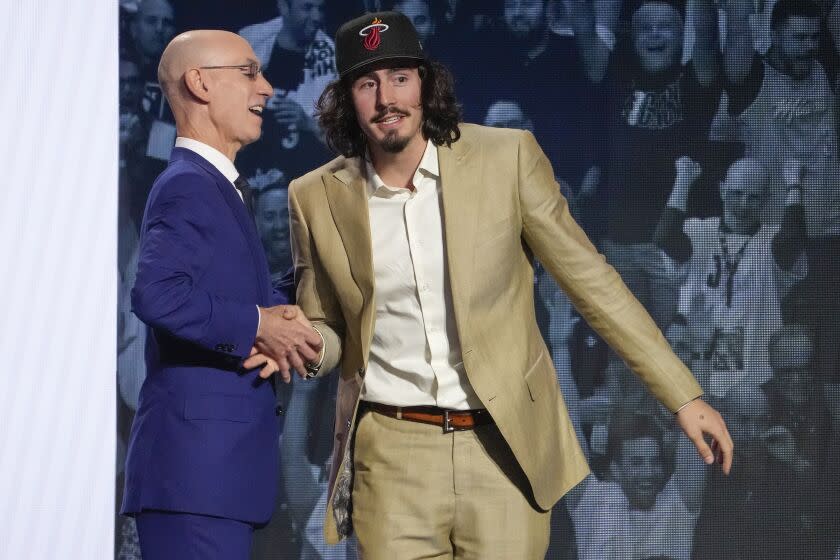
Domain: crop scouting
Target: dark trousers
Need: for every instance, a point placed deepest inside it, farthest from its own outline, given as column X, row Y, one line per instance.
column 166, row 535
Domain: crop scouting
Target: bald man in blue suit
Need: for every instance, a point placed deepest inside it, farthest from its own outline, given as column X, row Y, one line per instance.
column 202, row 459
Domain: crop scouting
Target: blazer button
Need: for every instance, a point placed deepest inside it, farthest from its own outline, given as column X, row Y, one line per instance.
column 348, row 424
column 361, row 372
column 278, row 410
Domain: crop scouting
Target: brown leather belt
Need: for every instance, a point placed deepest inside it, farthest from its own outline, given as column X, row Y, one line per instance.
column 449, row 420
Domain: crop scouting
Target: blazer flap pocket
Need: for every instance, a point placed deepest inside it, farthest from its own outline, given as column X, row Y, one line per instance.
column 539, row 381
column 234, row 408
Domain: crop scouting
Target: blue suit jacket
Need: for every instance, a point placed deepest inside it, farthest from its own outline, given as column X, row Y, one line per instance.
column 205, row 436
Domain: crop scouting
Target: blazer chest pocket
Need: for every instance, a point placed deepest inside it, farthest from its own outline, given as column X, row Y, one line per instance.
column 233, row 408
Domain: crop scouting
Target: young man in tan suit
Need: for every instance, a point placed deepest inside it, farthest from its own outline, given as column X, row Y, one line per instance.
column 413, row 259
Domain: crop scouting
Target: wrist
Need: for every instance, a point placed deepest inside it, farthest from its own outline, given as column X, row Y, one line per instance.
column 312, row 370
column 685, row 405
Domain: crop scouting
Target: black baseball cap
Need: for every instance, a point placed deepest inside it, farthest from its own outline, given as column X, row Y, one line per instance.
column 374, row 38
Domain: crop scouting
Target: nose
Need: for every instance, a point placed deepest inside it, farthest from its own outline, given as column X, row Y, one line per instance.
column 384, row 94
column 263, row 87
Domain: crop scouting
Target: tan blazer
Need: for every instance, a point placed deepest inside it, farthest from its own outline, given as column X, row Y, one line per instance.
column 501, row 205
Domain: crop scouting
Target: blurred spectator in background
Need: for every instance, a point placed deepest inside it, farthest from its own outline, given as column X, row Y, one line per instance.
column 643, row 510
column 772, row 507
column 151, row 28
column 796, row 395
column 738, row 269
column 423, row 17
column 133, row 129
column 507, row 114
column 785, row 104
column 298, row 59
column 137, row 171
column 271, row 213
column 516, row 59
column 658, row 110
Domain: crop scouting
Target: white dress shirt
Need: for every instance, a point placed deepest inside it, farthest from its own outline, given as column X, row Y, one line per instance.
column 216, row 158
column 415, row 355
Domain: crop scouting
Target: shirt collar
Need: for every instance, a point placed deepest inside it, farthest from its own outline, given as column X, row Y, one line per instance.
column 216, row 158
column 428, row 167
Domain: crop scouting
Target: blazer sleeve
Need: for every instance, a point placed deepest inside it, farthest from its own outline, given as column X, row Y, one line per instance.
column 315, row 296
column 593, row 286
column 175, row 250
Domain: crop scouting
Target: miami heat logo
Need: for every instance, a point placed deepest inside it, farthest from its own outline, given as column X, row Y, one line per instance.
column 371, row 33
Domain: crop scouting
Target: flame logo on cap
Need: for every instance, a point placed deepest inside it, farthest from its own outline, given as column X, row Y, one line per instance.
column 372, row 32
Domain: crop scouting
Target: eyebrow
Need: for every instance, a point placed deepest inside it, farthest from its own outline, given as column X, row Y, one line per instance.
column 372, row 73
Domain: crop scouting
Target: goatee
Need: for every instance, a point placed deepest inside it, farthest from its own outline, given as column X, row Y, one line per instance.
column 393, row 144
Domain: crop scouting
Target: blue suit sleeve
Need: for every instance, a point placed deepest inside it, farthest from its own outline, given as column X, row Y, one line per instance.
column 175, row 251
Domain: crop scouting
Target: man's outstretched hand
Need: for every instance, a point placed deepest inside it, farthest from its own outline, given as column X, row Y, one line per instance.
column 697, row 419
column 285, row 340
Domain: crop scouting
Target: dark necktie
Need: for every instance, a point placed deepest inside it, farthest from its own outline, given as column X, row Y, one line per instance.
column 244, row 189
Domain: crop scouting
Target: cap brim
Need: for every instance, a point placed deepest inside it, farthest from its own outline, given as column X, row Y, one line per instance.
column 380, row 62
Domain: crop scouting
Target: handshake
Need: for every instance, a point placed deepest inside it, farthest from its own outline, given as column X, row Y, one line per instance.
column 285, row 340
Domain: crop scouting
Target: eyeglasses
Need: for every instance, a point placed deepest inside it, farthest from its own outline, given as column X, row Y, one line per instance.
column 251, row 70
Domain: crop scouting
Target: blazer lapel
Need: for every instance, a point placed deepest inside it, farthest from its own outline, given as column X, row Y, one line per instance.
column 460, row 169
column 249, row 228
column 243, row 218
column 347, row 193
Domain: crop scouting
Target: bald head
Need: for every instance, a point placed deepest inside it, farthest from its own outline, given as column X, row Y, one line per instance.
column 213, row 84
column 194, row 49
column 751, row 170
column 744, row 193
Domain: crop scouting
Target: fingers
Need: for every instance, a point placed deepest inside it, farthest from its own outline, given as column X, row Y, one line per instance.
column 727, row 447
column 726, row 459
column 269, row 369
column 255, row 360
column 722, row 444
column 702, row 448
column 296, row 362
column 269, row 366
column 308, row 354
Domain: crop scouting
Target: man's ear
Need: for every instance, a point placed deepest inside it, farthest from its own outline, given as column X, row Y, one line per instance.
column 195, row 84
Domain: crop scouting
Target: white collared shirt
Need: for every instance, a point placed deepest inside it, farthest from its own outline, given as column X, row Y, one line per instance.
column 216, row 158
column 415, row 355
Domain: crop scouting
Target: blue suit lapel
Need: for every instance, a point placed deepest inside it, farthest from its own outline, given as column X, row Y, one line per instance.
column 245, row 221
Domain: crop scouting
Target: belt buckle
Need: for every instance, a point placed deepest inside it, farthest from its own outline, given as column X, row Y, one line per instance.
column 447, row 423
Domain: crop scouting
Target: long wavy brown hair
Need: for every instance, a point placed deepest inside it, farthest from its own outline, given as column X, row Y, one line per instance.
column 441, row 111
